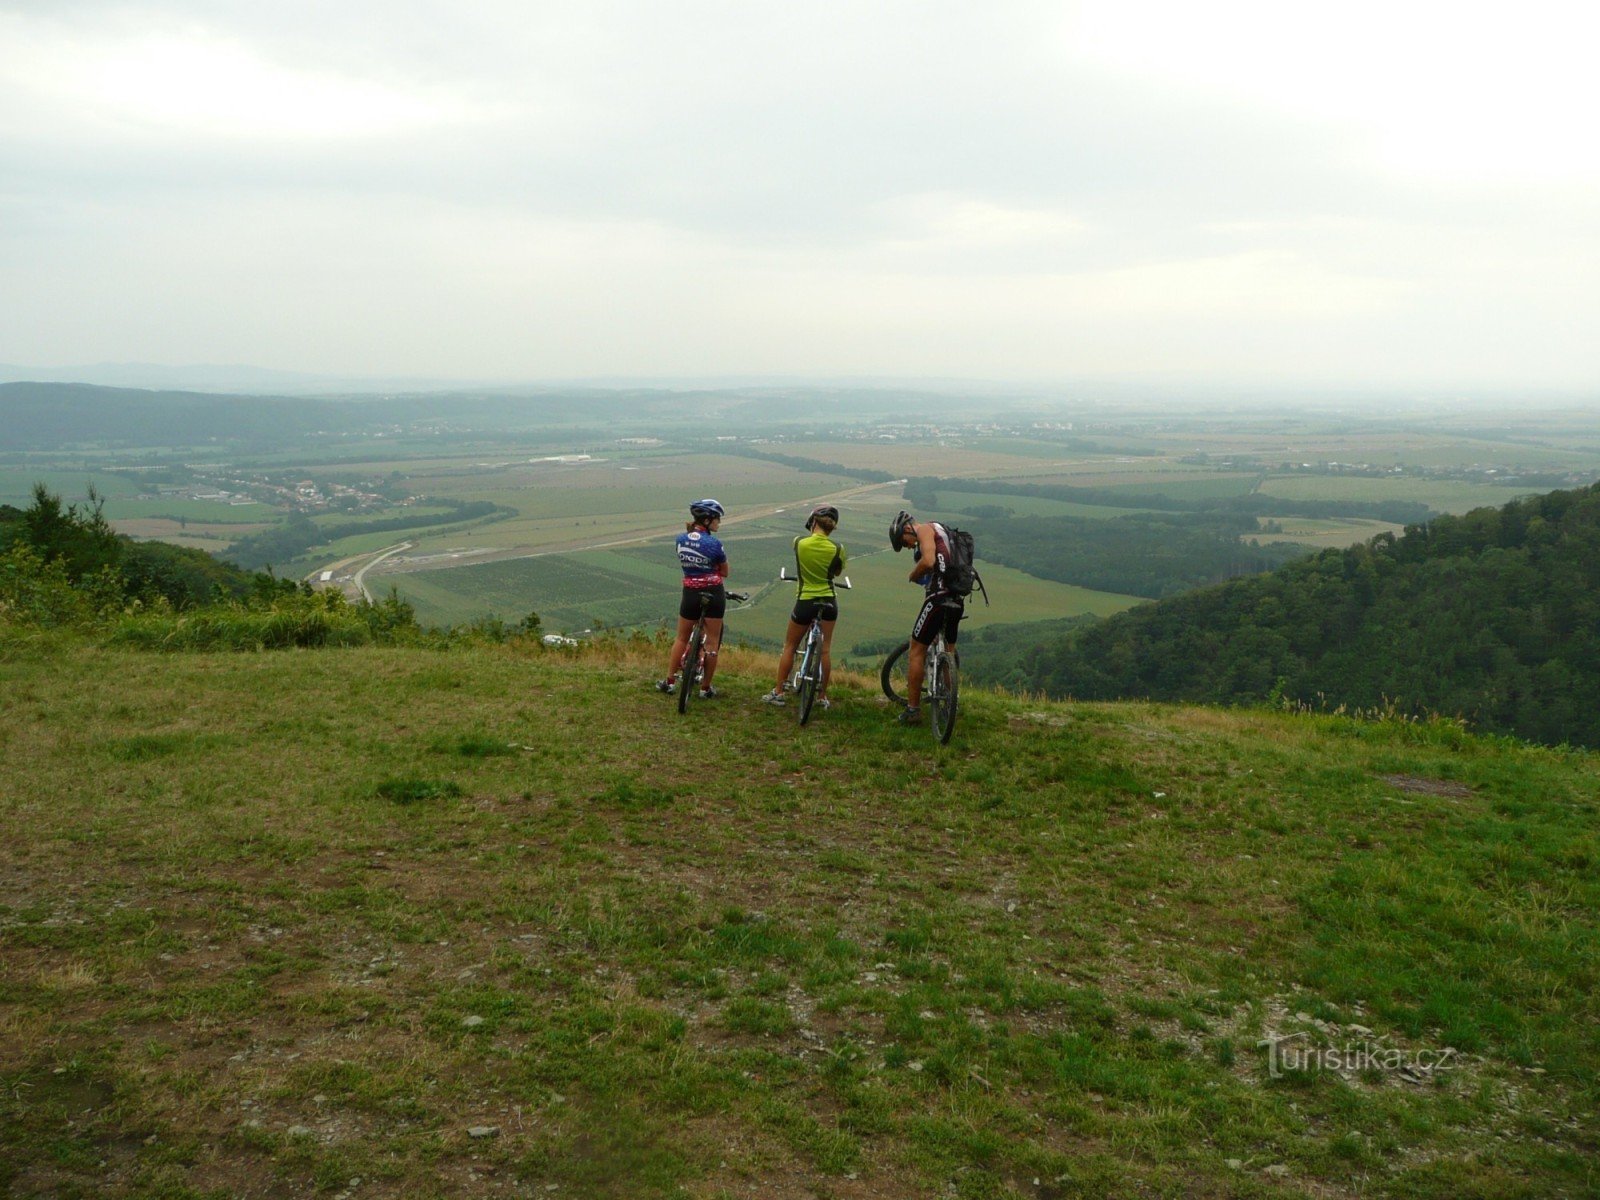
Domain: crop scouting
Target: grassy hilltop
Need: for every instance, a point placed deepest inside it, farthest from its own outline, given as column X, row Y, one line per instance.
column 495, row 921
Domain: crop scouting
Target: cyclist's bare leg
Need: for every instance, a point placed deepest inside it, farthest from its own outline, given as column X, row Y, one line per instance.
column 679, row 644
column 713, row 644
column 791, row 643
column 916, row 668
column 827, row 658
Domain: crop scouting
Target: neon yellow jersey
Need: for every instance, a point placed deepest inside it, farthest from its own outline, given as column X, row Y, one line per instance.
column 819, row 558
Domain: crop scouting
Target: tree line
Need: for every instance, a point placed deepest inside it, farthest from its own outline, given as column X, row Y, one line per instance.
column 1492, row 616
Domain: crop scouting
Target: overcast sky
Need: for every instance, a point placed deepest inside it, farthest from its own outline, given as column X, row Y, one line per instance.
column 1388, row 194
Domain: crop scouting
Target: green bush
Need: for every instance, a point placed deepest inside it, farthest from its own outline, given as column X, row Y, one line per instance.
column 301, row 620
column 37, row 592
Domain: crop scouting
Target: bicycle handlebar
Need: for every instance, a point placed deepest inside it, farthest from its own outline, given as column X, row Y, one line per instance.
column 842, row 581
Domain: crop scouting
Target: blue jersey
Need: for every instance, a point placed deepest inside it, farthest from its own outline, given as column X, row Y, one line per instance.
column 702, row 558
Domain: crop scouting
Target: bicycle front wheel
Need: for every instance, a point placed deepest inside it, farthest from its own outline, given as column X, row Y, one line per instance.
column 892, row 677
column 689, row 672
column 946, row 688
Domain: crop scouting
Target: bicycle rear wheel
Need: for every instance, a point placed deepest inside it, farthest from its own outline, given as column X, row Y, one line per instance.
column 689, row 672
column 892, row 677
column 946, row 687
column 810, row 679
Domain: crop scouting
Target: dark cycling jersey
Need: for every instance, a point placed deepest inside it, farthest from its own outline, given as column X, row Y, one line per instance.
column 703, row 560
column 933, row 581
column 942, row 609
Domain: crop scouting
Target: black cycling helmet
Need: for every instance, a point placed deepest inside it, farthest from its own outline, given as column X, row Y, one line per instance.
column 705, row 511
column 822, row 510
column 897, row 530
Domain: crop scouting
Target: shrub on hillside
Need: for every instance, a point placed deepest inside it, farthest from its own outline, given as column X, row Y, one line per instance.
column 300, row 620
column 39, row 592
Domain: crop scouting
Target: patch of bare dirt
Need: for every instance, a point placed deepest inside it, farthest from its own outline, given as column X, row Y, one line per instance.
column 1420, row 786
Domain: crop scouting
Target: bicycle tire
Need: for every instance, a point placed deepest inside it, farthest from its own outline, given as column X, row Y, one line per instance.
column 893, row 673
column 689, row 672
column 946, row 693
column 810, row 679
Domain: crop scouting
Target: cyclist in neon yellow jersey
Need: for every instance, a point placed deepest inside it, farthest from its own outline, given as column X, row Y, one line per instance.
column 819, row 561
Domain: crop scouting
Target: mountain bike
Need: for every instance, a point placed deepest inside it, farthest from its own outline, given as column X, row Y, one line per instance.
column 805, row 681
column 941, row 684
column 694, row 665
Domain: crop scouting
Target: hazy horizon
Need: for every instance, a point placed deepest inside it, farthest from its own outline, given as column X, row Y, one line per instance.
column 1388, row 199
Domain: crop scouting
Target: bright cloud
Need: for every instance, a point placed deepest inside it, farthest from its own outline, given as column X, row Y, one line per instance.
column 1456, row 89
column 191, row 81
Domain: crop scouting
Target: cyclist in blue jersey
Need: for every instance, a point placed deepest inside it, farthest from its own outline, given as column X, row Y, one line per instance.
column 705, row 568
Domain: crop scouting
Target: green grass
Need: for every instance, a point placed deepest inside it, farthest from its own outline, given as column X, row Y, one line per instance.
column 273, row 921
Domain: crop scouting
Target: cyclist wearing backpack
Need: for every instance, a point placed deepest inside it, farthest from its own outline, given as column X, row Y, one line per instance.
column 943, row 603
column 705, row 567
column 819, row 560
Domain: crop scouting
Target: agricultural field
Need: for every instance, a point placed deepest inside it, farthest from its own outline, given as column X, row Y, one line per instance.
column 929, row 457
column 72, row 485
column 952, row 504
column 1444, row 495
column 197, row 535
column 639, row 586
column 1330, row 533
column 179, row 509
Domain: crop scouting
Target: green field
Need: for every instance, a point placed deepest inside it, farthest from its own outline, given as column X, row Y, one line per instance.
column 640, row 586
column 1336, row 531
column 1213, row 486
column 16, row 484
column 205, row 512
column 1442, row 495
column 951, row 503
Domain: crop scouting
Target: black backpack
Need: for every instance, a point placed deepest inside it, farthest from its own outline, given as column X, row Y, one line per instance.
column 960, row 575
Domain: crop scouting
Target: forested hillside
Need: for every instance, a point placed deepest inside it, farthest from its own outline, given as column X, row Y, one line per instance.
column 1493, row 616
column 57, row 554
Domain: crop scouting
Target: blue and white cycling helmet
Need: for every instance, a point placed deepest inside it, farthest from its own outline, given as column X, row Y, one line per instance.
column 705, row 511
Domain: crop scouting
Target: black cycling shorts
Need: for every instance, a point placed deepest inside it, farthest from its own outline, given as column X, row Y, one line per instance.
column 807, row 611
column 716, row 608
column 940, row 610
